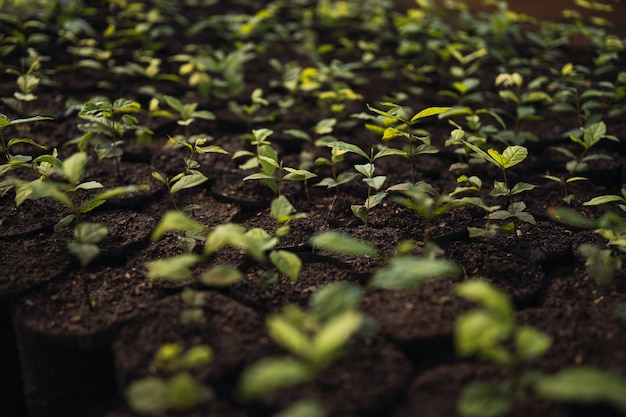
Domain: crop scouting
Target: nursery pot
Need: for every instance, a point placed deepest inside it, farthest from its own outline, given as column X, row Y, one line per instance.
column 64, row 375
column 11, row 394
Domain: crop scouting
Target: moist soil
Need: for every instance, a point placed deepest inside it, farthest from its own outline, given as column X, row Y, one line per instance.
column 62, row 355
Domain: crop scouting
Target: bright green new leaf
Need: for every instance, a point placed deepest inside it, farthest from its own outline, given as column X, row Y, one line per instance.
column 74, row 167
column 531, row 343
column 513, row 155
column 571, row 217
column 288, row 335
column 287, row 263
column 175, row 221
column 604, row 199
column 430, row 111
column 480, row 332
column 188, row 181
column 185, row 392
column 487, row 296
column 298, row 174
column 176, row 268
column 342, row 243
column 221, row 276
column 270, row 374
column 223, row 235
column 392, row 132
column 409, row 272
column 329, row 341
column 584, row 385
column 482, row 399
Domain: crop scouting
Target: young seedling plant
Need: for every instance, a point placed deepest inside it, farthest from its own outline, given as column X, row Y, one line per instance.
column 492, row 334
column 16, row 161
column 87, row 235
column 191, row 176
column 511, row 156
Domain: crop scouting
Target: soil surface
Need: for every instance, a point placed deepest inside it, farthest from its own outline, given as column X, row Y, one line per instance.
column 72, row 338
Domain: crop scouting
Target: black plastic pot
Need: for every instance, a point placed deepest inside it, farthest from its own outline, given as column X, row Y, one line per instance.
column 64, row 375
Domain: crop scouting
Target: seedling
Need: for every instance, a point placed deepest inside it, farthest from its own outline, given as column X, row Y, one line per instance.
column 247, row 112
column 85, row 248
column 374, row 183
column 589, row 137
column 510, row 157
column 492, row 334
column 190, row 177
column 72, row 170
column 524, row 102
column 187, row 114
column 271, row 166
column 397, row 115
column 156, row 395
column 16, row 161
column 107, row 122
column 314, row 338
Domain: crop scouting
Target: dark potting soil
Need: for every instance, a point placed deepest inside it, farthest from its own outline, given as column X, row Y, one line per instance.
column 74, row 359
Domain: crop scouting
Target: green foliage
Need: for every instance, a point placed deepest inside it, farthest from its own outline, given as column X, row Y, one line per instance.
column 155, row 395
column 342, row 244
column 407, row 272
column 314, row 339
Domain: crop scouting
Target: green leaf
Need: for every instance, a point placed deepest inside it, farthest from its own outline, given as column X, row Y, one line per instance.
column 409, row 272
column 480, row 333
column 348, row 147
column 221, row 276
column 335, row 298
column 584, row 385
column 521, row 187
column 360, row 211
column 342, row 244
column 281, row 209
column 85, row 252
column 482, row 399
column 298, row 174
column 271, row 374
column 287, row 263
column 74, row 167
column 188, row 181
column 367, row 170
column 430, row 111
column 148, row 395
column 487, row 296
column 571, row 217
column 513, row 155
column 335, row 334
column 223, row 235
column 375, row 182
column 289, row 335
column 392, row 132
column 531, row 343
column 90, row 232
column 185, row 392
column 175, row 268
column 604, row 199
column 174, row 221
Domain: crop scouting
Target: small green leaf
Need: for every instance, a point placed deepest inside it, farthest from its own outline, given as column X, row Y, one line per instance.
column 90, row 232
column 513, row 155
column 148, row 396
column 303, row 408
column 271, row 374
column 221, row 276
column 571, row 217
column 74, row 167
column 185, row 392
column 281, row 209
column 392, row 132
column 409, row 272
column 486, row 295
column 604, row 199
column 335, row 334
column 531, row 343
column 584, row 385
column 335, row 298
column 175, row 221
column 286, row 262
column 85, row 252
column 430, row 111
column 342, row 244
column 480, row 333
column 349, row 148
column 175, row 268
column 482, row 399
column 188, row 181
